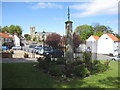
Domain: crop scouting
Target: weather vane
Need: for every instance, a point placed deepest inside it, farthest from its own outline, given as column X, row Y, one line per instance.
column 68, row 14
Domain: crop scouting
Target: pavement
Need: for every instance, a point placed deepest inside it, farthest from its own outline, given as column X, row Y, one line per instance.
column 18, row 57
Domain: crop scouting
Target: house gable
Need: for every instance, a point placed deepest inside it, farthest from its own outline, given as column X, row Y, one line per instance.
column 93, row 38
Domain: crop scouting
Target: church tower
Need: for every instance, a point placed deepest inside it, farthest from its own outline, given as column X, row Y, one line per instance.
column 32, row 32
column 69, row 36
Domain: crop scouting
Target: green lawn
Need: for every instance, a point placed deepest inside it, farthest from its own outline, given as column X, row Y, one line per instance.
column 23, row 75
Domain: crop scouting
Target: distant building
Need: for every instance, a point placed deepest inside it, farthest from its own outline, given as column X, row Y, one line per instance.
column 32, row 32
column 38, row 35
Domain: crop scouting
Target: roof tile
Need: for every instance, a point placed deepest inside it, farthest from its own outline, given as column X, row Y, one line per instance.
column 4, row 35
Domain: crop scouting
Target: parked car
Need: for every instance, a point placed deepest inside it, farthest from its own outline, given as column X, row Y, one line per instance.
column 32, row 46
column 44, row 49
column 4, row 48
column 54, row 53
column 16, row 47
column 117, row 58
column 36, row 49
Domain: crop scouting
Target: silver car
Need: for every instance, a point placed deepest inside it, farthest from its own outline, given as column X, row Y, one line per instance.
column 117, row 58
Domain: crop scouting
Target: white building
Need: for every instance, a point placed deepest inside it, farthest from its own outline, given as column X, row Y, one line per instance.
column 91, row 43
column 108, row 43
column 5, row 38
column 16, row 40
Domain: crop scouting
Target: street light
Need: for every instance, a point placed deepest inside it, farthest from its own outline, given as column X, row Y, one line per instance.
column 43, row 36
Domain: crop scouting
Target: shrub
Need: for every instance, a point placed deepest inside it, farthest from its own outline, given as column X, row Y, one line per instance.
column 61, row 60
column 43, row 64
column 69, row 68
column 56, row 70
column 97, row 66
column 81, row 71
column 78, row 62
column 86, row 56
column 87, row 59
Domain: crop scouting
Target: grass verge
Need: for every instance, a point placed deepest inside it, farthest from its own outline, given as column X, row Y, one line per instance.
column 24, row 75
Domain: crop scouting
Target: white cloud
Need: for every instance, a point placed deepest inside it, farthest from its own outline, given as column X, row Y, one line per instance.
column 96, row 8
column 46, row 5
column 112, row 21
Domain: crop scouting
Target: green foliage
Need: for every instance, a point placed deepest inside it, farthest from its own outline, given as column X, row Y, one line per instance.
column 12, row 29
column 5, row 29
column 56, row 70
column 43, row 64
column 27, row 36
column 87, row 57
column 84, row 31
column 102, row 28
column 117, row 35
column 98, row 33
column 61, row 60
column 98, row 67
column 24, row 75
column 76, row 63
column 81, row 71
column 35, row 38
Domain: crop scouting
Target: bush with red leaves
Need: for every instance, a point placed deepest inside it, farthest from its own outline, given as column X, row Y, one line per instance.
column 53, row 40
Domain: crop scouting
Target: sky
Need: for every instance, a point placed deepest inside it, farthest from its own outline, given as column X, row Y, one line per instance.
column 51, row 16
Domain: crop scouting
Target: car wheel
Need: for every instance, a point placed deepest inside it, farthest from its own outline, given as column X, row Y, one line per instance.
column 113, row 59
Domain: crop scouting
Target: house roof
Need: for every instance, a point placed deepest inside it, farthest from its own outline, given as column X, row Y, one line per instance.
column 114, row 38
column 95, row 37
column 4, row 35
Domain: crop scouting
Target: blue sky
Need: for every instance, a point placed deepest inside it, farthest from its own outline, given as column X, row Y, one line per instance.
column 51, row 16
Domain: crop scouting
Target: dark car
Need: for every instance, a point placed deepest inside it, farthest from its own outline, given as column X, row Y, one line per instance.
column 32, row 46
column 44, row 49
column 54, row 53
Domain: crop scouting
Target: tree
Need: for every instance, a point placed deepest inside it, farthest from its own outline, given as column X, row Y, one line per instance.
column 102, row 28
column 53, row 40
column 27, row 36
column 18, row 30
column 12, row 29
column 117, row 35
column 84, row 31
column 76, row 40
column 5, row 29
column 35, row 38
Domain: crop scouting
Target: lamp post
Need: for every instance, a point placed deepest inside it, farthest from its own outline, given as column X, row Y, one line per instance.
column 43, row 36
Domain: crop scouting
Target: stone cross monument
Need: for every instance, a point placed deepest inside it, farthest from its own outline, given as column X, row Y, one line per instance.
column 69, row 36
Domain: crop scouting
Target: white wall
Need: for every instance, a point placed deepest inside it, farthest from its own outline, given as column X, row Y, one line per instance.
column 92, row 43
column 105, row 45
column 16, row 41
column 81, row 48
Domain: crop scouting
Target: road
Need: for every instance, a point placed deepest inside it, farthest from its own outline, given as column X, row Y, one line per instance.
column 103, row 57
